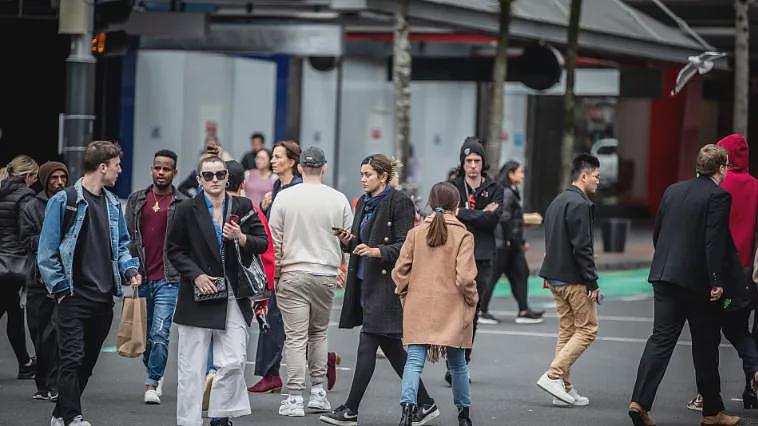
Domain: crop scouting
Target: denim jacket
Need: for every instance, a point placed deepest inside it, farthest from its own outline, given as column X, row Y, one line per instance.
column 55, row 253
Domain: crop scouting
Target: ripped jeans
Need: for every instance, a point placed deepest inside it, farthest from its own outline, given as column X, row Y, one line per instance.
column 161, row 301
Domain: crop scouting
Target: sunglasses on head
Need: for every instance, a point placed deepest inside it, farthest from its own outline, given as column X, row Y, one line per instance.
column 208, row 176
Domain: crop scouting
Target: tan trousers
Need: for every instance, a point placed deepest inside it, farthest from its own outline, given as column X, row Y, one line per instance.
column 306, row 303
column 577, row 321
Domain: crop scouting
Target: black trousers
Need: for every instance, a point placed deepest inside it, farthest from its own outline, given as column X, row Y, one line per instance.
column 81, row 327
column 268, row 355
column 39, row 318
column 483, row 282
column 735, row 328
column 10, row 303
column 673, row 305
column 366, row 362
column 510, row 261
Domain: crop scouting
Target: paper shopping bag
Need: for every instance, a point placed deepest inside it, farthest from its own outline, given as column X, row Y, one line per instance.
column 132, row 330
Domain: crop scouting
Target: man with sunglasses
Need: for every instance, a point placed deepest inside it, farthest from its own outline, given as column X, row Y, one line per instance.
column 213, row 303
column 149, row 213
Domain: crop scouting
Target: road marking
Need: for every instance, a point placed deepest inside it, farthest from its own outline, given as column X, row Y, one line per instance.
column 600, row 338
column 601, row 317
column 284, row 364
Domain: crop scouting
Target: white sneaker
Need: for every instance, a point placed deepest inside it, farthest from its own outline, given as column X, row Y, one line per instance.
column 57, row 421
column 292, row 407
column 555, row 387
column 79, row 421
column 318, row 401
column 579, row 401
column 152, row 397
column 159, row 388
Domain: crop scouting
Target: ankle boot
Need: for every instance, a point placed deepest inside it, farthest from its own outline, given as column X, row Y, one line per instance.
column 463, row 417
column 408, row 411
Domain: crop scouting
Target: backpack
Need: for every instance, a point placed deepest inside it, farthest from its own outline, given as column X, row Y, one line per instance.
column 69, row 214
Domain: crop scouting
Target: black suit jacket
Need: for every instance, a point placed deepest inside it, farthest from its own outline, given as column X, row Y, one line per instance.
column 693, row 245
column 381, row 311
column 192, row 248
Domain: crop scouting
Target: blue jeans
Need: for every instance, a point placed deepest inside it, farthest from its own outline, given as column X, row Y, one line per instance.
column 161, row 301
column 456, row 363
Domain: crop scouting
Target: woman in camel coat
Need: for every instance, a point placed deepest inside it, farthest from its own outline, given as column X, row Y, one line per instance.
column 435, row 275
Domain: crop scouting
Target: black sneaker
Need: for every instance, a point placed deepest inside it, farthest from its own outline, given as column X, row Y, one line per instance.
column 53, row 395
column 463, row 417
column 425, row 413
column 487, row 318
column 224, row 421
column 342, row 416
column 26, row 372
column 529, row 317
column 42, row 395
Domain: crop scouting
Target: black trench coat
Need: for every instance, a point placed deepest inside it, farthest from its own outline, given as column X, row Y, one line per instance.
column 382, row 313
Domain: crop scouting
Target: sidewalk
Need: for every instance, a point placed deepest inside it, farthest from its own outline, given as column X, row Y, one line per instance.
column 638, row 253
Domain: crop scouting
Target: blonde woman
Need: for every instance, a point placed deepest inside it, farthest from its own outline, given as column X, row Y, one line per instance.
column 16, row 179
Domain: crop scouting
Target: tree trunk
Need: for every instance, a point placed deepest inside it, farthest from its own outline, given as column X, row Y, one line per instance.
column 499, row 71
column 741, row 66
column 401, row 80
column 567, row 146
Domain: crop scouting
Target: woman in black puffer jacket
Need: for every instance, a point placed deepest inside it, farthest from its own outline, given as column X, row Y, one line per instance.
column 15, row 181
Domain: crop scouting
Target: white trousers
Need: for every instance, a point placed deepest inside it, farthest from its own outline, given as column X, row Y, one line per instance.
column 229, row 392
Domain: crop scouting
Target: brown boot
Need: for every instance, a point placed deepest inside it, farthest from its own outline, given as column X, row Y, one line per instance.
column 721, row 419
column 639, row 415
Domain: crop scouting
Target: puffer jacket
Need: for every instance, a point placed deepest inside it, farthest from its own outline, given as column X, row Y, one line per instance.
column 510, row 228
column 13, row 195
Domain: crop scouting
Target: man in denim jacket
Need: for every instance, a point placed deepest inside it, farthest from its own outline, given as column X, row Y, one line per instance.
column 83, row 270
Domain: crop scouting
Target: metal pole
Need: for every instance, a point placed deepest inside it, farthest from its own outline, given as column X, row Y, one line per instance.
column 337, row 121
column 79, row 116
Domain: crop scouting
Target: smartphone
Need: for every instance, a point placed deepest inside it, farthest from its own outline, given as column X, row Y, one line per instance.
column 336, row 229
column 233, row 218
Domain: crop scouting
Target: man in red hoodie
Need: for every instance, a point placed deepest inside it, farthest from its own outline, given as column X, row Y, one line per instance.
column 742, row 225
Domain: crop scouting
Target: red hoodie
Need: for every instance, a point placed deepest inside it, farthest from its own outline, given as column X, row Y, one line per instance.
column 267, row 258
column 744, row 190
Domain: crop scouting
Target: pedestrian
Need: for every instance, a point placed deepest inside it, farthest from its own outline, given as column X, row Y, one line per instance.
column 260, row 180
column 382, row 219
column 211, row 147
column 268, row 355
column 510, row 256
column 481, row 200
column 257, row 143
column 82, row 258
column 54, row 178
column 16, row 178
column 736, row 328
column 213, row 303
column 570, row 272
column 149, row 214
column 435, row 276
column 694, row 271
column 307, row 262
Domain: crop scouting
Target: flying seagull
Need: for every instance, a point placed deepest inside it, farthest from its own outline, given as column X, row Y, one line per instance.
column 700, row 64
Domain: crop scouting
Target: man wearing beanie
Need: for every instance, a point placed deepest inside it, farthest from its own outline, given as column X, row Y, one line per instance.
column 480, row 209
column 53, row 176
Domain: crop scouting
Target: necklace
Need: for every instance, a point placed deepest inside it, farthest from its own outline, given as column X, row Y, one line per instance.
column 157, row 206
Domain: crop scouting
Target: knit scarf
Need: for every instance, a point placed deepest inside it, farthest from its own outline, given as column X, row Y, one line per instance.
column 369, row 205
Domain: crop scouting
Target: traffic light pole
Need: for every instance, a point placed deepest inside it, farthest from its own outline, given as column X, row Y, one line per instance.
column 77, row 121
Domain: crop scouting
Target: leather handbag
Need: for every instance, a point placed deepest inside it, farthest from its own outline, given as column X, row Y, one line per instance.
column 222, row 288
column 252, row 275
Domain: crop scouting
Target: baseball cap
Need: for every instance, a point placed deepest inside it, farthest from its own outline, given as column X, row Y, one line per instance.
column 312, row 157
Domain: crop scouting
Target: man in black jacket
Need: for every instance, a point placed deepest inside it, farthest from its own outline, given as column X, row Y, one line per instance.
column 54, row 177
column 569, row 270
column 480, row 208
column 695, row 267
column 149, row 213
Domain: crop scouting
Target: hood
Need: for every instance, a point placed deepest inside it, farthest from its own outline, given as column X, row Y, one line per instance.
column 11, row 185
column 739, row 153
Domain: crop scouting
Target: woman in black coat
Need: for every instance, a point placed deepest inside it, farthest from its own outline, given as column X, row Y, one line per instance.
column 510, row 255
column 204, row 228
column 383, row 217
column 15, row 191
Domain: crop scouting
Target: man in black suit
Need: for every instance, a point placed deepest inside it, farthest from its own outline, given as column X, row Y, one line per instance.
column 692, row 273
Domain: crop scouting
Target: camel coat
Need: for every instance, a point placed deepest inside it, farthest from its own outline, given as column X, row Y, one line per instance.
column 437, row 287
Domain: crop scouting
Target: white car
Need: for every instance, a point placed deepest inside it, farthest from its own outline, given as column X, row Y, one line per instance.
column 606, row 151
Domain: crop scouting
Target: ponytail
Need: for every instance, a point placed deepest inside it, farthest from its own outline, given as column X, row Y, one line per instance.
column 437, row 234
column 4, row 173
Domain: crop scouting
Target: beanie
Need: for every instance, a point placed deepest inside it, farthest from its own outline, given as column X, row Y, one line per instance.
column 47, row 169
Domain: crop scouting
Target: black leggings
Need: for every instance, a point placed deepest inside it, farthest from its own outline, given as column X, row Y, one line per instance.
column 366, row 362
column 10, row 303
column 512, row 262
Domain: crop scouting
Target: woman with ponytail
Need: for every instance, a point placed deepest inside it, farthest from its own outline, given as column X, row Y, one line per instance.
column 435, row 275
column 382, row 219
column 16, row 179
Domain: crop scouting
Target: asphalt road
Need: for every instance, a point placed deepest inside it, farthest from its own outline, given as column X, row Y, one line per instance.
column 508, row 359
